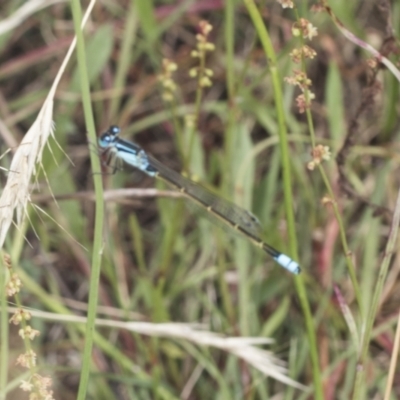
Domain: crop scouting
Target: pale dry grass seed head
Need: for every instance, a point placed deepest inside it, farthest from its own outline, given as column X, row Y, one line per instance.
column 244, row 348
column 241, row 347
column 16, row 194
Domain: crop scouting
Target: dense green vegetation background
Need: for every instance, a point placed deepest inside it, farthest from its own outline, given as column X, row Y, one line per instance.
column 244, row 138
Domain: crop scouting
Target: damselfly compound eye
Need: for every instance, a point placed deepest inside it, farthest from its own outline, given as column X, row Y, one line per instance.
column 115, row 130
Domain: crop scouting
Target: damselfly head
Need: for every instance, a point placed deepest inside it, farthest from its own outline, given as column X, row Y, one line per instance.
column 109, row 136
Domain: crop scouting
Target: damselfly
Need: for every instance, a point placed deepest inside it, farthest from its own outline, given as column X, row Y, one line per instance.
column 230, row 214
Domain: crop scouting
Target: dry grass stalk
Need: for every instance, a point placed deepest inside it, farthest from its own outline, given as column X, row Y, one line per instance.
column 16, row 194
column 241, row 347
column 24, row 12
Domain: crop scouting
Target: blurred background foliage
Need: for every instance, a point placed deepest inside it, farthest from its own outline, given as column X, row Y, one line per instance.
column 162, row 260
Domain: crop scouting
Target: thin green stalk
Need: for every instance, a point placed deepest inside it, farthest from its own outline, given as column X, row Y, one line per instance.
column 276, row 80
column 150, row 28
column 192, row 128
column 199, row 90
column 125, row 57
column 178, row 131
column 310, row 122
column 197, row 107
column 229, row 46
column 223, row 284
column 390, row 248
column 230, row 83
column 98, row 186
column 4, row 343
column 393, row 361
column 346, row 249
